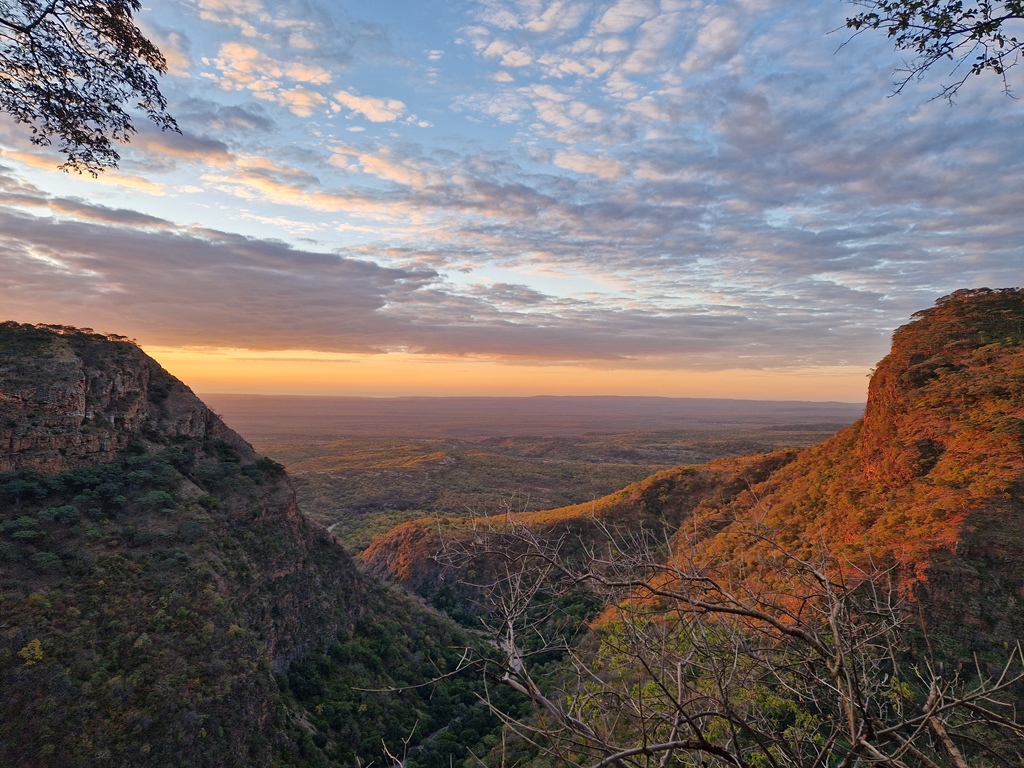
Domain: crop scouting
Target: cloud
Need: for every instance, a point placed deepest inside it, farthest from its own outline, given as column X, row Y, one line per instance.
column 290, row 84
column 225, row 118
column 172, row 285
column 497, row 14
column 166, row 147
column 166, row 285
column 644, row 183
column 121, row 217
column 508, row 108
column 259, row 184
column 517, row 58
column 718, row 40
column 508, row 55
column 173, row 44
column 655, row 38
column 514, row 294
column 48, row 161
column 602, row 167
column 310, row 74
column 244, row 66
column 558, row 17
column 299, row 101
column 384, row 165
column 238, row 13
column 624, row 16
column 376, row 110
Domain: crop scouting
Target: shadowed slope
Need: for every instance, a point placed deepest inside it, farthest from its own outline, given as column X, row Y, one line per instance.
column 164, row 603
column 662, row 501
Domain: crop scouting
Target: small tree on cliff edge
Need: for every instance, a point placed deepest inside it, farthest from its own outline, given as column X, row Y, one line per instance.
column 976, row 37
column 71, row 69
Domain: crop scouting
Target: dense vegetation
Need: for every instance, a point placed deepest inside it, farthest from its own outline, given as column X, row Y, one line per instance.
column 120, row 647
column 385, row 687
column 117, row 645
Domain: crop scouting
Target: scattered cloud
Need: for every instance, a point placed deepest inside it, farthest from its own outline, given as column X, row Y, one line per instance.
column 602, row 167
column 558, row 17
column 104, row 266
column 376, row 110
column 387, row 165
column 718, row 40
column 243, row 14
column 231, row 119
column 624, row 15
column 301, row 102
column 243, row 66
column 173, row 44
column 654, row 42
column 654, row 183
column 169, row 147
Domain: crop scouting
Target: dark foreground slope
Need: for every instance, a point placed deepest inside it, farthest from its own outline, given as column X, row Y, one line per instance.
column 162, row 600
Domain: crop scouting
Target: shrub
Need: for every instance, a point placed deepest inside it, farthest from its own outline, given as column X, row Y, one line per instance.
column 47, row 561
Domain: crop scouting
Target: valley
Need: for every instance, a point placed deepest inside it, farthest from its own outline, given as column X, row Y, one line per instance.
column 715, row 583
column 364, row 465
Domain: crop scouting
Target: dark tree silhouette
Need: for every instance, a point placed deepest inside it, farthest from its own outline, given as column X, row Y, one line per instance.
column 71, row 70
column 975, row 37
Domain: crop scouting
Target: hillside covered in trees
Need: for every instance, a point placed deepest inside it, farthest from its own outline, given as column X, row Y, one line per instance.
column 164, row 603
column 931, row 473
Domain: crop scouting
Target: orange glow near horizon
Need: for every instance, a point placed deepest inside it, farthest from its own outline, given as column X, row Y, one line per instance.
column 302, row 372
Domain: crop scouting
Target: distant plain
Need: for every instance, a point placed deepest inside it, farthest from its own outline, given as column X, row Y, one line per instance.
column 363, row 465
column 260, row 417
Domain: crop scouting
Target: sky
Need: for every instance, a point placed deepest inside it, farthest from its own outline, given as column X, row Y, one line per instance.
column 634, row 197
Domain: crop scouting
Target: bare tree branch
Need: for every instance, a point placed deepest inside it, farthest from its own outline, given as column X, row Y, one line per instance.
column 801, row 662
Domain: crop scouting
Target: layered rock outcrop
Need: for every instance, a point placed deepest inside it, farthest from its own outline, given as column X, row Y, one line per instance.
column 69, row 397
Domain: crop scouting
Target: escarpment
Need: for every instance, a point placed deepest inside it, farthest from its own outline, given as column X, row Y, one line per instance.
column 155, row 567
column 928, row 483
column 164, row 602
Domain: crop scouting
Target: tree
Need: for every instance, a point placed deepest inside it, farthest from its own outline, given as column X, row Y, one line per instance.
column 977, row 37
column 71, row 69
column 778, row 660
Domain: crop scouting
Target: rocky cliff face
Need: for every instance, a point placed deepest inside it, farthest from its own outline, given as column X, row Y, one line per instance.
column 930, row 481
column 940, row 445
column 954, row 368
column 69, row 397
column 154, row 571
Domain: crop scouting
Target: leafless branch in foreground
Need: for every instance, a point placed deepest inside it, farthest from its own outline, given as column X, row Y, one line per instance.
column 774, row 659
